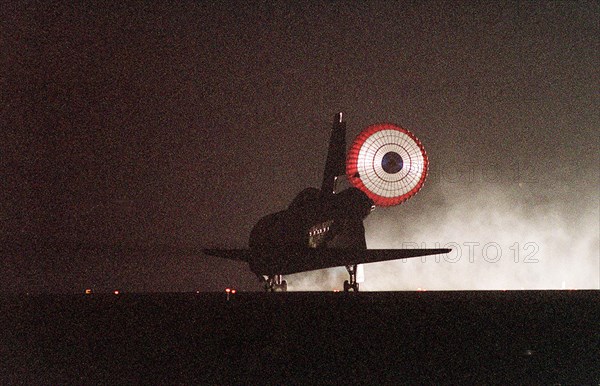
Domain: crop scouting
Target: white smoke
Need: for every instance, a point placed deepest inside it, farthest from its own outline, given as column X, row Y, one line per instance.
column 513, row 236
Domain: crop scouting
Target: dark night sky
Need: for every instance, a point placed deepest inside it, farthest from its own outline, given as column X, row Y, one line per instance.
column 132, row 129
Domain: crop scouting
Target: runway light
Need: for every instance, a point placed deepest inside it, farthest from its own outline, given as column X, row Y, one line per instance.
column 88, row 291
column 229, row 291
column 116, row 292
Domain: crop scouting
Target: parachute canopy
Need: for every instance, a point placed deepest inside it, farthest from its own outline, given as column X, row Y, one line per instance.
column 388, row 163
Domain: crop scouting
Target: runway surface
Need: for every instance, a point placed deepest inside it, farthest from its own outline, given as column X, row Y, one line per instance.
column 550, row 337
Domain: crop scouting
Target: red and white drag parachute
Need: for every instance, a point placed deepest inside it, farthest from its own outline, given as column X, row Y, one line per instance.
column 388, row 163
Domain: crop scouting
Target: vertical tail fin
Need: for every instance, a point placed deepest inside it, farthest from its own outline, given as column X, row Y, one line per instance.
column 336, row 156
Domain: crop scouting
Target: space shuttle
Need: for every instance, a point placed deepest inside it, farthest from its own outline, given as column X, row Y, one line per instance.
column 323, row 228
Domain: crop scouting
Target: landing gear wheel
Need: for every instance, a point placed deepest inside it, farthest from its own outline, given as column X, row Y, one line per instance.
column 347, row 286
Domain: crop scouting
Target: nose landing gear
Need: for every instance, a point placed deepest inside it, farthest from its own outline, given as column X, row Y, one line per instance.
column 275, row 283
column 352, row 284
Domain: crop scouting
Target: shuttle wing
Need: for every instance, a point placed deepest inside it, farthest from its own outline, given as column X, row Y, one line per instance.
column 376, row 255
column 293, row 260
column 312, row 259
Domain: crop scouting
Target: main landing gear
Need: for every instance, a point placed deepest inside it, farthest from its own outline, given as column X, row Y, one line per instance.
column 275, row 283
column 352, row 284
